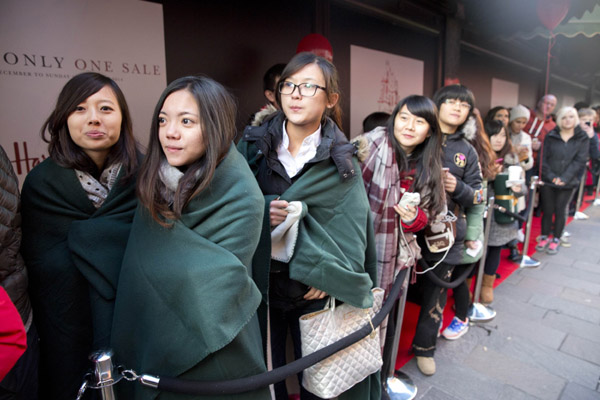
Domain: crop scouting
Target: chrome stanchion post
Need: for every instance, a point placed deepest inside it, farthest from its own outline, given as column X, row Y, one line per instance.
column 579, row 214
column 104, row 375
column 526, row 261
column 398, row 385
column 480, row 312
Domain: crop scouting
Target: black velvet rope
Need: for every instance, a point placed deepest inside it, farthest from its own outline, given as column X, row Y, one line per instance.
column 522, row 218
column 509, row 213
column 453, row 284
column 250, row 383
column 442, row 283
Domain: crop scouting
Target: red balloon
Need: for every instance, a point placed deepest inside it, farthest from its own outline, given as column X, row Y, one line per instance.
column 318, row 44
column 552, row 12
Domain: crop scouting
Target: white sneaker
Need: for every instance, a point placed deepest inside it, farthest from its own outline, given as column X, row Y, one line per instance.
column 566, row 234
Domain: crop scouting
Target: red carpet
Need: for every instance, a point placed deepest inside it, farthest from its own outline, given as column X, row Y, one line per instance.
column 506, row 267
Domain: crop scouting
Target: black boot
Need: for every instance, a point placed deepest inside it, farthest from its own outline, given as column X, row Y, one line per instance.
column 514, row 255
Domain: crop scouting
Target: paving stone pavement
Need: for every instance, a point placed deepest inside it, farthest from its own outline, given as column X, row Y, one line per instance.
column 544, row 342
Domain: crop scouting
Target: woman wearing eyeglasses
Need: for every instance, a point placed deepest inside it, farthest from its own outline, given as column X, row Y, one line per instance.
column 305, row 168
column 462, row 182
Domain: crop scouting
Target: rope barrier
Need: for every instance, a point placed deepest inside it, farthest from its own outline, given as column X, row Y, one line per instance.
column 241, row 385
column 206, row 388
column 455, row 283
column 509, row 213
column 442, row 283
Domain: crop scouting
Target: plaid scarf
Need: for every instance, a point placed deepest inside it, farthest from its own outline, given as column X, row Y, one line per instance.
column 396, row 250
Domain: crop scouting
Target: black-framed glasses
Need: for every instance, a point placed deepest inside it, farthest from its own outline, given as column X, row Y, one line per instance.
column 304, row 89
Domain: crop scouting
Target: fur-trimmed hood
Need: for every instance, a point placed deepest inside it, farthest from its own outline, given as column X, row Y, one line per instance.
column 469, row 129
column 262, row 114
column 361, row 144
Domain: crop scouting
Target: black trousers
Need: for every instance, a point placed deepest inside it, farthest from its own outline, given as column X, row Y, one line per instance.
column 286, row 307
column 461, row 293
column 554, row 204
column 492, row 259
column 433, row 301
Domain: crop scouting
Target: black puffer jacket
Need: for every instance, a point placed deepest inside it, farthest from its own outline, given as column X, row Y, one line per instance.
column 13, row 275
column 564, row 160
column 462, row 160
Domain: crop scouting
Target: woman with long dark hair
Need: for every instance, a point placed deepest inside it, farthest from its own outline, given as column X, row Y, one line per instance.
column 77, row 208
column 403, row 157
column 462, row 183
column 564, row 155
column 186, row 303
column 300, row 155
column 503, row 230
column 498, row 113
column 480, row 141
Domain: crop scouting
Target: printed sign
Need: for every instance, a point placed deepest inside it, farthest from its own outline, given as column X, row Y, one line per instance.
column 45, row 43
column 378, row 81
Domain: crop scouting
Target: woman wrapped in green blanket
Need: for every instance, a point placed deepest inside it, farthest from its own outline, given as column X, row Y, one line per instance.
column 300, row 155
column 77, row 208
column 186, row 302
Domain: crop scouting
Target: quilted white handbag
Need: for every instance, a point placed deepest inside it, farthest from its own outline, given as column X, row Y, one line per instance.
column 347, row 367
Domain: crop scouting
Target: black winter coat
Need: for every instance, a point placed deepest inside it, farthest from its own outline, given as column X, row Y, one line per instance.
column 271, row 175
column 564, row 160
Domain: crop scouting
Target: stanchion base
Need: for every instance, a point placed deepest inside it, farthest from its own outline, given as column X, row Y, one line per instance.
column 400, row 387
column 580, row 215
column 528, row 262
column 481, row 313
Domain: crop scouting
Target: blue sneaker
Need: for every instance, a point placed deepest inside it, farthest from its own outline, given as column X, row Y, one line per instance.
column 456, row 329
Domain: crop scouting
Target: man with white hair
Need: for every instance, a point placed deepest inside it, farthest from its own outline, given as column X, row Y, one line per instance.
column 540, row 123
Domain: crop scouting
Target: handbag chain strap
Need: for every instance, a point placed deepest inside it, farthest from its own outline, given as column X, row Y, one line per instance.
column 373, row 333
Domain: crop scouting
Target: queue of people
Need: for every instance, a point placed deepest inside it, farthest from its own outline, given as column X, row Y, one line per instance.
column 170, row 259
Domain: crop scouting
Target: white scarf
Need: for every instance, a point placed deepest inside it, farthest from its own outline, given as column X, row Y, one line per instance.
column 97, row 190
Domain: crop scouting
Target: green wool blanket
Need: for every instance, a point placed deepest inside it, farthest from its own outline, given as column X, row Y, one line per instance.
column 335, row 250
column 73, row 253
column 186, row 302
